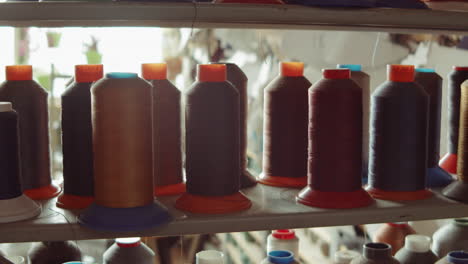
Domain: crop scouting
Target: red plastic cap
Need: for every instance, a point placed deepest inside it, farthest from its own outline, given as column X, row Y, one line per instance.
column 128, row 242
column 449, row 163
column 400, row 225
column 292, row 69
column 19, row 73
column 154, row 71
column 212, row 72
column 460, row 68
column 88, row 73
column 400, row 73
column 336, row 73
column 285, row 234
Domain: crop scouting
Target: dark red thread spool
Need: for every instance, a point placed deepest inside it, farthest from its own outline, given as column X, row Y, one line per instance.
column 455, row 79
column 77, row 139
column 335, row 143
column 212, row 145
column 398, row 137
column 167, row 132
column 285, row 124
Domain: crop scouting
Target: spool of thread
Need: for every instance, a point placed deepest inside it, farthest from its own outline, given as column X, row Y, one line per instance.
column 239, row 80
column 209, row 257
column 285, row 124
column 29, row 100
column 123, row 171
column 432, row 84
column 167, row 139
column 212, row 145
column 14, row 206
column 129, row 250
column 56, row 252
column 77, row 139
column 455, row 79
column 398, row 137
column 458, row 190
column 335, row 144
column 362, row 79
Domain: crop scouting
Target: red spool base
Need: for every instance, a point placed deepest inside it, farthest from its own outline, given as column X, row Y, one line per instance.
column 449, row 163
column 43, row 193
column 70, row 201
column 167, row 190
column 289, row 182
column 213, row 204
column 334, row 200
column 398, row 196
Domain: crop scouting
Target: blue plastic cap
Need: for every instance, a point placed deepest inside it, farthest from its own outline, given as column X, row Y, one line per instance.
column 436, row 177
column 351, row 67
column 424, row 70
column 121, row 75
column 457, row 257
column 280, row 257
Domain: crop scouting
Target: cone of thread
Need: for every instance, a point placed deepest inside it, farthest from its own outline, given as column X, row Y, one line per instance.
column 285, row 123
column 458, row 190
column 398, row 137
column 335, row 146
column 212, row 145
column 455, row 79
column 167, row 138
column 29, row 100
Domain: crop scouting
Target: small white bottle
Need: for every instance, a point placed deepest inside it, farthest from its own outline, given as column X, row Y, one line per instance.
column 279, row 257
column 129, row 250
column 283, row 239
column 345, row 256
column 209, row 257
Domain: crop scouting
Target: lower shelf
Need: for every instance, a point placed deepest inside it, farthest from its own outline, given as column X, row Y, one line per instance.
column 273, row 208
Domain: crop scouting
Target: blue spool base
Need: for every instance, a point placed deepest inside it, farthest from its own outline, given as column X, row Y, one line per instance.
column 437, row 177
column 103, row 218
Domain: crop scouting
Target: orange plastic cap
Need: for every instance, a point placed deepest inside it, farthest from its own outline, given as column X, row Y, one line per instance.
column 400, row 73
column 449, row 163
column 172, row 189
column 213, row 204
column 292, row 69
column 43, row 193
column 212, row 72
column 336, row 73
column 398, row 195
column 69, row 201
column 460, row 68
column 19, row 73
column 88, row 73
column 154, row 71
column 280, row 181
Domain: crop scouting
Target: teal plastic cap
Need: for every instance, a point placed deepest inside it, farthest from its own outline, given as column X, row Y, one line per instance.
column 121, row 75
column 424, row 70
column 351, row 67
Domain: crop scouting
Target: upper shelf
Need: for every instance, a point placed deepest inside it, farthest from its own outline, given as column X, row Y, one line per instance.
column 64, row 14
column 273, row 208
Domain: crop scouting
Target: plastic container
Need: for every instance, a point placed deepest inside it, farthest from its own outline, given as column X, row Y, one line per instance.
column 398, row 138
column 458, row 190
column 29, row 100
column 345, row 256
column 376, row 253
column 362, row 79
column 123, row 169
column 451, row 237
column 455, row 79
column 212, row 145
column 167, row 131
column 285, row 122
column 455, row 257
column 17, row 259
column 279, row 257
column 417, row 250
column 239, row 80
column 56, row 252
column 432, row 84
column 77, row 139
column 394, row 234
column 283, row 239
column 129, row 250
column 14, row 205
column 209, row 257
column 335, row 148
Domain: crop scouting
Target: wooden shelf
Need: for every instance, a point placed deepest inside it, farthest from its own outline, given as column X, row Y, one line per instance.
column 273, row 208
column 67, row 14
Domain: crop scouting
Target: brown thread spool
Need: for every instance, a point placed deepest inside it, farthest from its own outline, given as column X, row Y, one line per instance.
column 29, row 100
column 167, row 149
column 285, row 125
column 212, row 145
column 335, row 145
column 458, row 190
column 238, row 78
